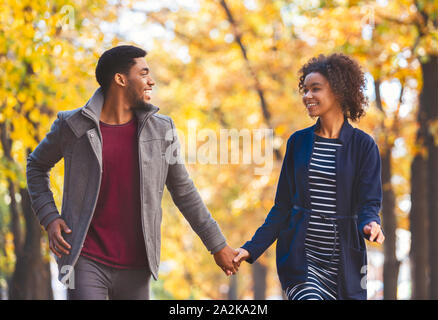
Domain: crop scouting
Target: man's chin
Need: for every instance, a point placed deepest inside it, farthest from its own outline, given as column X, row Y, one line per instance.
column 141, row 104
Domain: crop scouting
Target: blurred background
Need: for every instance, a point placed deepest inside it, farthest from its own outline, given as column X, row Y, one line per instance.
column 227, row 65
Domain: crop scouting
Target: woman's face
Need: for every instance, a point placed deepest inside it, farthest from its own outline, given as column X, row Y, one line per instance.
column 318, row 96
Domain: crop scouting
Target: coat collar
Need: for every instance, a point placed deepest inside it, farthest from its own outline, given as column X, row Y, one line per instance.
column 80, row 122
column 94, row 107
column 344, row 135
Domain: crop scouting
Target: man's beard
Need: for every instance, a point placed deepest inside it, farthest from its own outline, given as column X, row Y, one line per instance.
column 136, row 102
column 140, row 104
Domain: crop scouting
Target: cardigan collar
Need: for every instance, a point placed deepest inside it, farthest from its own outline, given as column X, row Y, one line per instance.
column 344, row 135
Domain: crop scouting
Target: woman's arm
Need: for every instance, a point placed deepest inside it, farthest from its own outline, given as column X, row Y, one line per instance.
column 370, row 192
column 268, row 232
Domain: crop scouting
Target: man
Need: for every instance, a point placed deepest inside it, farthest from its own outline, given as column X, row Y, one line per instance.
column 107, row 238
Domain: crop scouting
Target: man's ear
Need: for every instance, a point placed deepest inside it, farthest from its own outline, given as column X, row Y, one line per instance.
column 120, row 79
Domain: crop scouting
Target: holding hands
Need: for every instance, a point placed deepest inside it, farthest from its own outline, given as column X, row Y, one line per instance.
column 229, row 259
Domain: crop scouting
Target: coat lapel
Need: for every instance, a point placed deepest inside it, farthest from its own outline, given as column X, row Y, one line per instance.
column 89, row 115
column 307, row 154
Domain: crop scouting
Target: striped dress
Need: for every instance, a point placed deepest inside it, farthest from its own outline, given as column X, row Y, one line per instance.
column 322, row 239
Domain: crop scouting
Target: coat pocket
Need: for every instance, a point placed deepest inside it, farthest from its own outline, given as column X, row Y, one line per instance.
column 154, row 164
column 163, row 173
column 290, row 244
column 157, row 229
column 355, row 271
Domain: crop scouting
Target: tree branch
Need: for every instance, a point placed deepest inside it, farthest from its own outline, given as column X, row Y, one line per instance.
column 238, row 39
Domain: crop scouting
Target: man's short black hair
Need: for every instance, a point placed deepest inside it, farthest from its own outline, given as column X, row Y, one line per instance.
column 119, row 59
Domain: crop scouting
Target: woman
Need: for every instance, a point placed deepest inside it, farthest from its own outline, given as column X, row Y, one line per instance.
column 329, row 191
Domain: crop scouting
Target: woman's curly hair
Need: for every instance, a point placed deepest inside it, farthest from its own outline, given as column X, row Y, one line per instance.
column 346, row 79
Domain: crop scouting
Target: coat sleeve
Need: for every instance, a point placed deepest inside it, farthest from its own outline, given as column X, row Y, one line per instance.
column 277, row 217
column 39, row 163
column 186, row 197
column 369, row 186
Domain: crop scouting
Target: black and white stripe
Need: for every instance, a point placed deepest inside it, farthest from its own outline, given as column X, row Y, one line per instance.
column 322, row 239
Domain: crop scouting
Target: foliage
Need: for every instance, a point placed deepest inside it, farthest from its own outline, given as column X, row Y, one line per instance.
column 220, row 65
column 48, row 50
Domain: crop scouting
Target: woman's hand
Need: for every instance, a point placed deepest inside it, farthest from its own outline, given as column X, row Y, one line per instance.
column 241, row 256
column 374, row 231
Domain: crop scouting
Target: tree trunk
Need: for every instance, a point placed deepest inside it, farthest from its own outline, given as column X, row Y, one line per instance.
column 259, row 272
column 391, row 264
column 232, row 291
column 429, row 105
column 419, row 215
column 32, row 278
column 419, row 228
column 6, row 143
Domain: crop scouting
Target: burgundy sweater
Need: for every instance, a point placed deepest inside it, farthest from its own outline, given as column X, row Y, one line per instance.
column 115, row 237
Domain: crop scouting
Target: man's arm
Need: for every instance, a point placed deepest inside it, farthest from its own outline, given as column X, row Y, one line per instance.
column 39, row 163
column 187, row 199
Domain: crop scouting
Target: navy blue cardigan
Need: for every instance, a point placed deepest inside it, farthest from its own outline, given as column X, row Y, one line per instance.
column 358, row 202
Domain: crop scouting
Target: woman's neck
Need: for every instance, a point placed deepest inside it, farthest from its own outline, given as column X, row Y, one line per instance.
column 330, row 126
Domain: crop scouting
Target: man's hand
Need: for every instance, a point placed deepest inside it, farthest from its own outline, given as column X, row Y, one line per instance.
column 374, row 231
column 56, row 241
column 241, row 256
column 224, row 259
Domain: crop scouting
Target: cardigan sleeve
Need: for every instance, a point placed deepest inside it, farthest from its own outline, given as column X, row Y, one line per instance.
column 369, row 187
column 270, row 229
